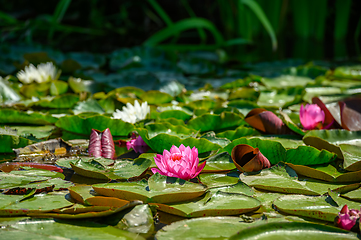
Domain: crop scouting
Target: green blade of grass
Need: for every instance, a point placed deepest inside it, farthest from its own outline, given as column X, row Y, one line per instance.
column 58, row 15
column 182, row 25
column 161, row 12
column 257, row 10
column 201, row 32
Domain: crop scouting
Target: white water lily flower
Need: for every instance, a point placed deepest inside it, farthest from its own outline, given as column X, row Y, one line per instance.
column 132, row 114
column 44, row 72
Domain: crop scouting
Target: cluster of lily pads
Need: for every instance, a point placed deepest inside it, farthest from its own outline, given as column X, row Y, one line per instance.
column 234, row 160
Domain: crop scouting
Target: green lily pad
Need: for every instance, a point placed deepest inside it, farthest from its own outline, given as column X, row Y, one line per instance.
column 243, row 106
column 37, row 203
column 307, row 206
column 65, row 162
column 307, row 155
column 354, row 195
column 352, row 157
column 38, row 172
column 175, row 112
column 9, row 180
column 278, row 178
column 212, row 122
column 10, row 142
column 13, row 116
column 90, row 105
column 56, row 229
column 36, row 131
column 122, row 169
column 159, row 188
column 77, row 124
column 238, row 133
column 272, row 150
column 62, row 101
column 276, row 98
column 162, row 136
column 218, row 204
column 286, row 81
column 156, row 97
column 327, row 173
column 212, row 180
column 291, row 230
column 221, row 162
column 47, row 186
column 330, row 139
column 245, row 93
column 202, row 228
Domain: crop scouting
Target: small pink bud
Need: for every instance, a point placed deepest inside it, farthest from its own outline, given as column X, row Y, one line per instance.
column 101, row 144
column 311, row 116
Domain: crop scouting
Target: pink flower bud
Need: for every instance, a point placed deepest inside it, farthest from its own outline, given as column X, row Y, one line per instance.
column 346, row 218
column 138, row 145
column 101, row 144
column 311, row 116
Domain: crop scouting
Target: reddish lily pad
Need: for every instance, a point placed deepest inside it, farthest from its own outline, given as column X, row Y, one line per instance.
column 266, row 121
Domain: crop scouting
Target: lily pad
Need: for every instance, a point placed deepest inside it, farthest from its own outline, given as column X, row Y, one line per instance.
column 221, row 162
column 77, row 124
column 330, row 139
column 291, row 230
column 156, row 97
column 307, row 206
column 160, row 137
column 307, row 155
column 9, row 142
column 212, row 122
column 238, row 133
column 13, row 116
column 202, row 228
column 352, row 157
column 63, row 101
column 327, row 173
column 56, row 229
column 218, row 204
column 159, row 188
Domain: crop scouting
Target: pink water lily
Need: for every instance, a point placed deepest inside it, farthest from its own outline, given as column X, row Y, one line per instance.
column 179, row 162
column 347, row 218
column 311, row 116
column 138, row 144
column 101, row 144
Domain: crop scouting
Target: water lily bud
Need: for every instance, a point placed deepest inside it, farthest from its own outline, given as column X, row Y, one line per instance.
column 101, row 144
column 108, row 150
column 311, row 116
column 95, row 144
column 138, row 145
column 179, row 162
column 346, row 218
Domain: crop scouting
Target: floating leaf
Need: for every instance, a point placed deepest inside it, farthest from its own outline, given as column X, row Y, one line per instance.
column 50, row 229
column 12, row 116
column 218, row 204
column 307, row 155
column 212, row 122
column 77, row 124
column 291, row 230
column 221, row 162
column 156, row 97
column 352, row 157
column 10, row 142
column 238, row 133
column 330, row 139
column 163, row 136
column 159, row 189
column 327, row 173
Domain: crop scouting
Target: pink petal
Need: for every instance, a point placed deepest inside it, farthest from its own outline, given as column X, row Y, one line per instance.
column 94, row 148
column 108, row 150
column 199, row 169
column 174, row 149
column 344, row 221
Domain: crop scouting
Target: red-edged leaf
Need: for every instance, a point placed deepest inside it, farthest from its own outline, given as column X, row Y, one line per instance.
column 266, row 121
column 351, row 114
column 329, row 120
